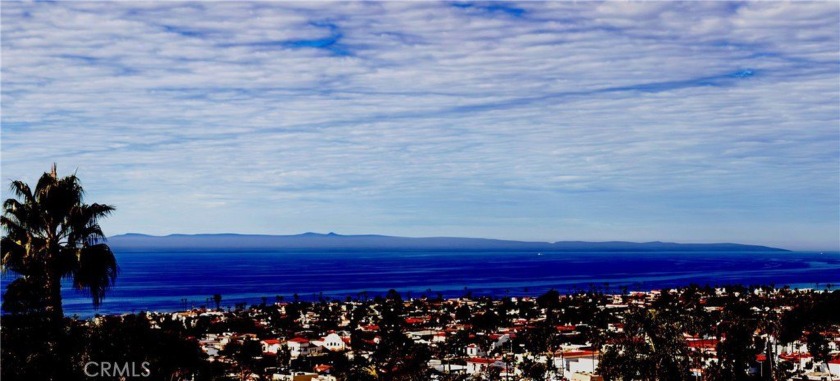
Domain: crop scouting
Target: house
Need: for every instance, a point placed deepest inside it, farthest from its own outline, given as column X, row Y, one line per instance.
column 834, row 366
column 477, row 365
column 474, row 351
column 334, row 343
column 615, row 327
column 415, row 320
column 799, row 360
column 500, row 340
column 702, row 345
column 270, row 345
column 299, row 347
column 586, row 377
column 447, row 368
column 576, row 361
column 302, row 376
column 211, row 345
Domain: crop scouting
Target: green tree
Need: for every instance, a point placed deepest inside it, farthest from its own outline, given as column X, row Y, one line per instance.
column 651, row 347
column 397, row 357
column 246, row 354
column 360, row 370
column 534, row 370
column 549, row 300
column 736, row 348
column 132, row 339
column 52, row 234
column 818, row 346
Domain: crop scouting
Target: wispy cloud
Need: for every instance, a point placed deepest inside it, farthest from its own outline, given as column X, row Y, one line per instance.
column 700, row 121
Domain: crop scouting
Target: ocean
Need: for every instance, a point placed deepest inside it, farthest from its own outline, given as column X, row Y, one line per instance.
column 166, row 280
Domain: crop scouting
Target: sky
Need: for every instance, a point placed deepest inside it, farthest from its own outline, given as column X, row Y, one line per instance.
column 671, row 121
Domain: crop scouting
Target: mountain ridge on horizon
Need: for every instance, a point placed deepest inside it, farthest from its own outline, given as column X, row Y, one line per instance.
column 311, row 240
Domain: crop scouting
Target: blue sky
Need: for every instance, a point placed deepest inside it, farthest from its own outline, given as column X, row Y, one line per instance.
column 689, row 122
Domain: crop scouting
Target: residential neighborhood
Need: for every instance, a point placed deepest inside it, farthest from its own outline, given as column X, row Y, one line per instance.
column 692, row 333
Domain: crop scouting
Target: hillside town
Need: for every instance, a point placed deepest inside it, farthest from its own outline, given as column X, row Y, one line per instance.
column 692, row 333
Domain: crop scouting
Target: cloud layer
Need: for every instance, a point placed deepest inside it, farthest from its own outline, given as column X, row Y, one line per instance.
column 709, row 121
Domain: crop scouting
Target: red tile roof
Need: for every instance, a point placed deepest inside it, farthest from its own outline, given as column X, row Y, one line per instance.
column 479, row 360
column 579, row 354
column 703, row 344
column 794, row 356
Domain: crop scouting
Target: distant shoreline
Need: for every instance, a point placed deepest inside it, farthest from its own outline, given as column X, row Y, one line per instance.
column 409, row 296
column 373, row 241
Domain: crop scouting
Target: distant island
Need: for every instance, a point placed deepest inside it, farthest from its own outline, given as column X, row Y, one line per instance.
column 372, row 241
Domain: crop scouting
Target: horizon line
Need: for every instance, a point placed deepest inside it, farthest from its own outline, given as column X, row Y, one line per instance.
column 334, row 234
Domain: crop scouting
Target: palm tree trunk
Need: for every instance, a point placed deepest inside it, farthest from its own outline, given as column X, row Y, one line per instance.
column 54, row 309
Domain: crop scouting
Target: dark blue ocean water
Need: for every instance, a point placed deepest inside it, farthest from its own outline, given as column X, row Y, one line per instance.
column 161, row 280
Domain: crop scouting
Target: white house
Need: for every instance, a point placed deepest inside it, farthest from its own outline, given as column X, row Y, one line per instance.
column 834, row 366
column 576, row 361
column 794, row 347
column 270, row 345
column 474, row 351
column 477, row 365
column 299, row 347
column 501, row 339
column 615, row 327
column 799, row 360
column 333, row 342
column 586, row 377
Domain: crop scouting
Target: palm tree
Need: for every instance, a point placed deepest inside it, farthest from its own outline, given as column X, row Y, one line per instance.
column 52, row 234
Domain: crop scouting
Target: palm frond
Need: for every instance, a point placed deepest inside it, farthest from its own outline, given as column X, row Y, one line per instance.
column 45, row 183
column 11, row 204
column 13, row 256
column 100, row 210
column 96, row 271
column 21, row 189
column 22, row 218
column 12, row 225
column 58, row 197
column 82, row 227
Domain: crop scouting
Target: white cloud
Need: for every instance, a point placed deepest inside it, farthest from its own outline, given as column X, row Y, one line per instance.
column 560, row 121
